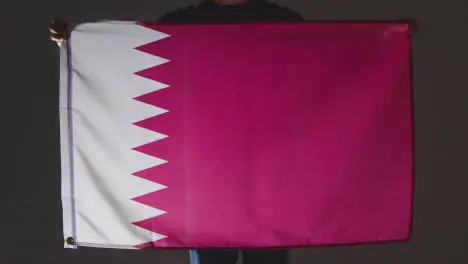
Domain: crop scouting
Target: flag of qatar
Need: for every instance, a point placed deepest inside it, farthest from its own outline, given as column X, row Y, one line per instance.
column 247, row 135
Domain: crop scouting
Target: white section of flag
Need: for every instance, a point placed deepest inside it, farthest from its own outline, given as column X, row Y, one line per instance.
column 101, row 161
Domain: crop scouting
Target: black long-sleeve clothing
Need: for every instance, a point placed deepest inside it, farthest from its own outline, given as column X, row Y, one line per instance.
column 251, row 11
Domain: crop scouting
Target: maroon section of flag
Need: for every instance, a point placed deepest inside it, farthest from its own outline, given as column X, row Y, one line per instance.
column 280, row 135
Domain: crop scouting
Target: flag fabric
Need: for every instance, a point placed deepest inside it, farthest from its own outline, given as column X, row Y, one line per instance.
column 246, row 135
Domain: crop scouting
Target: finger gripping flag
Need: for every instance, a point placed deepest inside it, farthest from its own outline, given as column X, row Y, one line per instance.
column 252, row 135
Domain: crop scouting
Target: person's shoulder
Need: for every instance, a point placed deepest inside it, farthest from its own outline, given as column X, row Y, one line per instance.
column 180, row 15
column 282, row 11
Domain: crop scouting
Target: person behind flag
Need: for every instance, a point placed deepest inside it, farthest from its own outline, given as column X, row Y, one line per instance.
column 218, row 11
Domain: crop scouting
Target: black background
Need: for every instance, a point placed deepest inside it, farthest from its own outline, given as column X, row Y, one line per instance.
column 31, row 230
